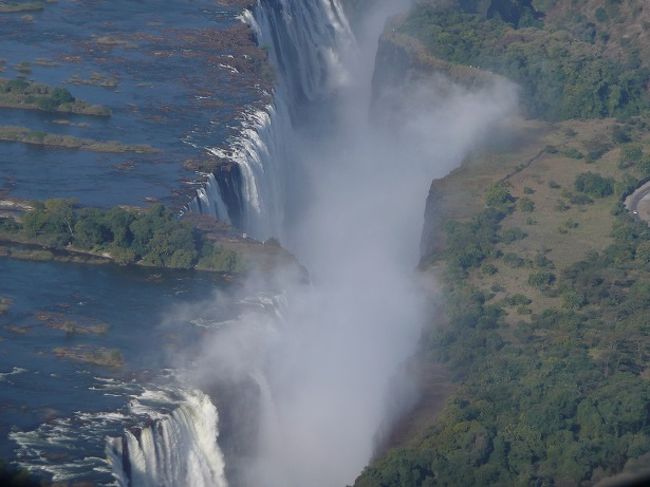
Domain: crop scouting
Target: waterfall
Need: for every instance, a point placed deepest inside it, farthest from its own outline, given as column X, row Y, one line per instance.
column 175, row 448
column 305, row 40
column 209, row 201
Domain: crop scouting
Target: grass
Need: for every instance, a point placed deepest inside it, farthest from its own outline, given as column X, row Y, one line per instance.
column 18, row 7
column 5, row 304
column 27, row 95
column 24, row 135
column 563, row 237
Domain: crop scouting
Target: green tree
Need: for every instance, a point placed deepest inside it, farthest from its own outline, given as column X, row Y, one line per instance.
column 594, row 184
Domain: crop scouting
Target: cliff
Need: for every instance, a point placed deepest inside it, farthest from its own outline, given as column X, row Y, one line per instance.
column 543, row 270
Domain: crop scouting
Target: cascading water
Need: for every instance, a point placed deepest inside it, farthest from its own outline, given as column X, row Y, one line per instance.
column 305, row 41
column 324, row 368
column 208, row 201
column 176, row 448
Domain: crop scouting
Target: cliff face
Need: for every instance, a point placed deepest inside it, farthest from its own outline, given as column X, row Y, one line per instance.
column 402, row 59
column 521, row 284
column 402, row 62
column 572, row 60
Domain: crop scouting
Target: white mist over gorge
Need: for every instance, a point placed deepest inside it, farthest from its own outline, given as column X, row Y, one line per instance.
column 340, row 177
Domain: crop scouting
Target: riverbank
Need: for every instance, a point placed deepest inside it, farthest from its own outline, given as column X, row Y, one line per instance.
column 56, row 230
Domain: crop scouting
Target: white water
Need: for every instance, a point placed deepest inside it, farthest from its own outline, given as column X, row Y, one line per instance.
column 176, row 448
column 305, row 40
column 326, row 366
column 209, row 201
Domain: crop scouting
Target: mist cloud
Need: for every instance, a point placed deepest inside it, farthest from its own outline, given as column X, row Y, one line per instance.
column 324, row 356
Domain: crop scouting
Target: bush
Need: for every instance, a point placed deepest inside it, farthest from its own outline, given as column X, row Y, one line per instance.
column 622, row 134
column 489, row 269
column 513, row 260
column 512, row 235
column 218, row 259
column 594, row 184
column 526, row 205
column 562, row 205
column 469, row 243
column 573, row 153
column 601, row 15
column 631, row 155
column 518, row 300
column 541, row 279
column 580, row 199
column 123, row 256
column 498, row 196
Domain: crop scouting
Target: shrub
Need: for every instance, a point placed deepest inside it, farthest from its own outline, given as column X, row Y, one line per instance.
column 498, row 196
column 631, row 155
column 513, row 260
column 489, row 269
column 562, row 205
column 526, row 205
column 518, row 300
column 580, row 199
column 594, row 184
column 512, row 235
column 573, row 153
column 541, row 279
column 601, row 15
column 621, row 134
column 544, row 262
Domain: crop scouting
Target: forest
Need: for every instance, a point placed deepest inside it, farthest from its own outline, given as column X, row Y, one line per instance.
column 548, row 352
column 154, row 237
column 560, row 72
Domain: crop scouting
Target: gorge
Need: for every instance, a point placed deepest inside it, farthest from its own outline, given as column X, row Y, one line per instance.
column 338, row 174
column 315, row 243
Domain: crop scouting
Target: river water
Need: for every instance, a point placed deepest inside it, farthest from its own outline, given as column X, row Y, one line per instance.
column 175, row 78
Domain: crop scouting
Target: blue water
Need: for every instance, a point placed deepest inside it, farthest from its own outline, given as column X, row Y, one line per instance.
column 172, row 94
column 139, row 308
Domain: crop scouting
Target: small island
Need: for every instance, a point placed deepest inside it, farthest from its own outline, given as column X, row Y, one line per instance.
column 27, row 95
column 102, row 357
column 23, row 135
column 21, row 7
column 59, row 230
column 59, row 321
column 5, row 304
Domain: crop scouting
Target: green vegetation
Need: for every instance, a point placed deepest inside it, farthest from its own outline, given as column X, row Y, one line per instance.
column 594, row 185
column 103, row 357
column 5, row 304
column 17, row 7
column 561, row 398
column 546, row 330
column 562, row 72
column 34, row 137
column 152, row 238
column 546, row 335
column 27, row 95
